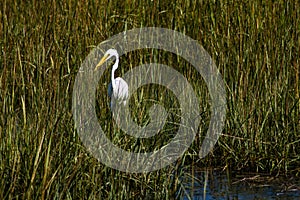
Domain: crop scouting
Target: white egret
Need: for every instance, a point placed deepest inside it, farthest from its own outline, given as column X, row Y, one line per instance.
column 118, row 88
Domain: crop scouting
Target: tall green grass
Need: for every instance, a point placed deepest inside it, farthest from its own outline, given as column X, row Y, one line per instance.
column 254, row 44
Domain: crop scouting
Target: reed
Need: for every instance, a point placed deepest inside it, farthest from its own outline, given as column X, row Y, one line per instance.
column 254, row 44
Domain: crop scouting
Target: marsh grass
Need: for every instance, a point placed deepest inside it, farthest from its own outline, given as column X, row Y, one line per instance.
column 255, row 46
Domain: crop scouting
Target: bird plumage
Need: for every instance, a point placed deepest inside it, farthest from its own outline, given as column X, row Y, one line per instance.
column 118, row 88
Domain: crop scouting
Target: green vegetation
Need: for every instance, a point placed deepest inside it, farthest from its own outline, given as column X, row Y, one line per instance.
column 255, row 45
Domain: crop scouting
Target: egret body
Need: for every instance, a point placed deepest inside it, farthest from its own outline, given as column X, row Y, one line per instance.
column 118, row 88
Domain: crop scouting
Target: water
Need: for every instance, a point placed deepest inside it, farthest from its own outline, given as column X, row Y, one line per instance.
column 219, row 185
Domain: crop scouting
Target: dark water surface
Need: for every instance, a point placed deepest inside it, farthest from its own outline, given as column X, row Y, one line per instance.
column 220, row 185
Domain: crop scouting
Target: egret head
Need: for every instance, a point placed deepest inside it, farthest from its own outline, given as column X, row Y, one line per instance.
column 109, row 53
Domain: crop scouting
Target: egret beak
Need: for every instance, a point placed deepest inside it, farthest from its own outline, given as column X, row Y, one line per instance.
column 101, row 62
